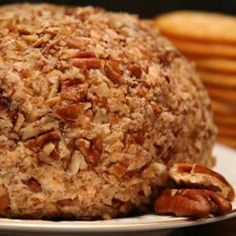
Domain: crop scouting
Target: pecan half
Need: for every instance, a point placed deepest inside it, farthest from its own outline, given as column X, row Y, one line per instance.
column 195, row 203
column 166, row 57
column 200, row 176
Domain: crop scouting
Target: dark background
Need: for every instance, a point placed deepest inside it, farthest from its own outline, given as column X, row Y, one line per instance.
column 149, row 8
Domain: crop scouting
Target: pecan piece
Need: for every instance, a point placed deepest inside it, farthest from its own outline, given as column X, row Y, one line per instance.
column 36, row 128
column 194, row 203
column 135, row 70
column 112, row 71
column 77, row 163
column 70, row 11
column 4, row 202
column 33, row 185
column 48, row 137
column 74, row 89
column 86, row 54
column 71, row 82
column 200, row 176
column 68, row 112
column 167, row 57
column 91, row 150
column 68, row 202
column 5, row 103
column 87, row 62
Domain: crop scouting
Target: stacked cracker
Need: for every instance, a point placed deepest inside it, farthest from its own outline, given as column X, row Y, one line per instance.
column 209, row 40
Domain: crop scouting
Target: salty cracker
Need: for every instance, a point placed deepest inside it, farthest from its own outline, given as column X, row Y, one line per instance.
column 217, row 79
column 227, row 141
column 225, row 120
column 217, row 65
column 226, row 95
column 201, row 26
column 222, row 108
column 227, row 132
column 201, row 49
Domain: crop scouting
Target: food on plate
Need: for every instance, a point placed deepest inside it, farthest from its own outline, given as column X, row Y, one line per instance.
column 212, row 47
column 197, row 192
column 199, row 26
column 95, row 107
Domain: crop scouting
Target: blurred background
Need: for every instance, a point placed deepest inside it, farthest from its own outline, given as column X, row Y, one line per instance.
column 217, row 70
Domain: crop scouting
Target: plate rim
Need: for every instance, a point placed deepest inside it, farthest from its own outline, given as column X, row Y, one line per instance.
column 52, row 227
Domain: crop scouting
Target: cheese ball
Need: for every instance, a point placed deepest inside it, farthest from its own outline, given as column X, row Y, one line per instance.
column 94, row 109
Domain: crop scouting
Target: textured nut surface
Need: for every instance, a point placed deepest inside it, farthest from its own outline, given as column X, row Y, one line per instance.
column 197, row 175
column 195, row 203
column 4, row 203
column 87, row 63
column 135, row 70
column 33, row 184
column 112, row 71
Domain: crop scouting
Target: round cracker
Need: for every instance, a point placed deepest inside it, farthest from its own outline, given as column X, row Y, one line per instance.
column 227, row 141
column 217, row 79
column 223, row 108
column 217, row 65
column 227, row 120
column 201, row 26
column 201, row 49
column 222, row 94
column 227, row 132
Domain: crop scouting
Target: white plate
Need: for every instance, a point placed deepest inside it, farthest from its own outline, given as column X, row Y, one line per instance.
column 226, row 162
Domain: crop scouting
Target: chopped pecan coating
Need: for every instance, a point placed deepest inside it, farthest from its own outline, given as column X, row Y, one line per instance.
column 33, row 184
column 112, row 71
column 87, row 63
column 91, row 150
column 68, row 112
column 135, row 70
